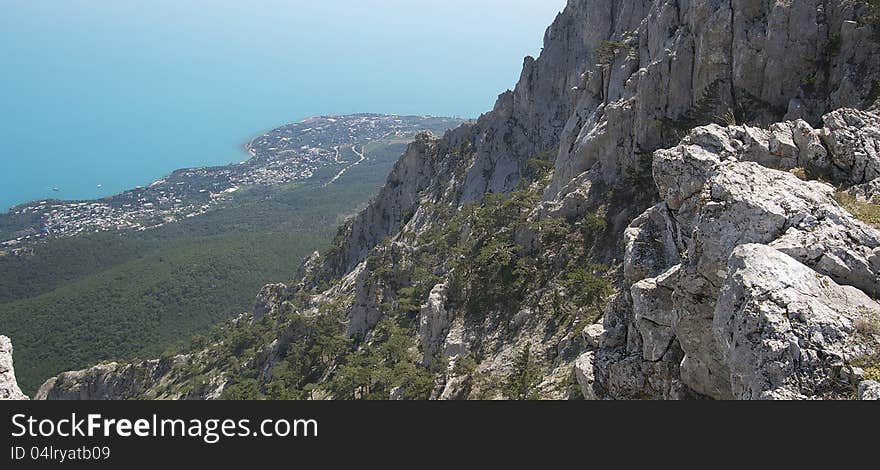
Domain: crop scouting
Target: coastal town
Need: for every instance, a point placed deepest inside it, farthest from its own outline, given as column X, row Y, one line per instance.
column 321, row 147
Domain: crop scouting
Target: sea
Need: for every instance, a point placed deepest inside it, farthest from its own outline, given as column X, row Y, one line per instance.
column 100, row 96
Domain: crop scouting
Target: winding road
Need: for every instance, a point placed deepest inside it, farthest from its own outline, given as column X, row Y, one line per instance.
column 342, row 172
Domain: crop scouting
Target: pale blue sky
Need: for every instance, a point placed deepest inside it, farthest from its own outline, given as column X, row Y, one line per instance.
column 119, row 92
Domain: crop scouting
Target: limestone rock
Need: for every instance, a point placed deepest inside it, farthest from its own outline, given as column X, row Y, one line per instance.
column 269, row 301
column 853, row 140
column 434, row 323
column 868, row 192
column 718, row 197
column 869, row 390
column 593, row 335
column 8, row 385
column 654, row 313
column 585, row 374
column 456, row 344
column 651, row 245
column 743, row 58
column 400, row 195
column 102, row 382
column 114, row 381
column 786, row 328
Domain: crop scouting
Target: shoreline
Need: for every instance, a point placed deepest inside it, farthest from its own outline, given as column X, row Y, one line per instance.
column 5, row 211
column 294, row 152
column 245, row 148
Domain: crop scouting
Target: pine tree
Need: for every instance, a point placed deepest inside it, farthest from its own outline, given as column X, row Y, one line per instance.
column 526, row 377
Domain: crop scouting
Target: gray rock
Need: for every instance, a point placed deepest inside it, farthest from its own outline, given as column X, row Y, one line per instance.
column 785, row 328
column 718, row 199
column 853, row 141
column 652, row 245
column 869, row 390
column 114, row 381
column 593, row 335
column 269, row 301
column 654, row 313
column 8, row 385
column 434, row 323
column 747, row 56
column 868, row 192
column 585, row 374
column 838, row 246
column 386, row 215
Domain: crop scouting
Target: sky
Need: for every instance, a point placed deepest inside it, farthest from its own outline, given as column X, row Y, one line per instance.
column 121, row 92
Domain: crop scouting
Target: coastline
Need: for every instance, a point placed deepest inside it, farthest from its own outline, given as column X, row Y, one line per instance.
column 101, row 196
column 291, row 153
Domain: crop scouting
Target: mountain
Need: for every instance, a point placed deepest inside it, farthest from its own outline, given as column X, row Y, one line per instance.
column 677, row 201
column 137, row 274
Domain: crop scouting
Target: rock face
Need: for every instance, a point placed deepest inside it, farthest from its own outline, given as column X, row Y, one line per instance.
column 102, row 382
column 711, row 58
column 270, row 298
column 113, row 381
column 434, row 323
column 399, row 197
column 774, row 275
column 585, row 373
column 785, row 330
column 869, row 390
column 8, row 385
column 678, row 128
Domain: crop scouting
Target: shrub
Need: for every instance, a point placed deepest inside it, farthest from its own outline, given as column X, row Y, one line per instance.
column 537, row 170
column 608, row 51
column 553, row 231
column 245, row 390
column 801, row 173
column 871, row 366
column 832, row 46
column 589, row 287
column 869, row 323
column 539, row 167
column 496, row 276
column 464, row 366
column 703, row 112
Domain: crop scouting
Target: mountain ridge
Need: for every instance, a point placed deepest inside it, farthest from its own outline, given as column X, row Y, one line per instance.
column 576, row 241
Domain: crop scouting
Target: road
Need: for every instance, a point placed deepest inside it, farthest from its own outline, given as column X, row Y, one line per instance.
column 342, row 172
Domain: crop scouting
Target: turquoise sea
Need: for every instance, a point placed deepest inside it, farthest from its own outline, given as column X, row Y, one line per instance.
column 97, row 96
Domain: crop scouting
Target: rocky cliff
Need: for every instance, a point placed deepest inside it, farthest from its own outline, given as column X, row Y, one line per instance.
column 8, row 386
column 746, row 281
column 648, row 214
